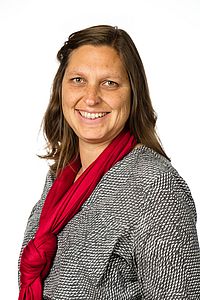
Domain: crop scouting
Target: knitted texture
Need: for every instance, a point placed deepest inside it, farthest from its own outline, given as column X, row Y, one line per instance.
column 134, row 238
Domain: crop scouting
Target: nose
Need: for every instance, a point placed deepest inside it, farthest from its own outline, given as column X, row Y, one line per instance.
column 92, row 96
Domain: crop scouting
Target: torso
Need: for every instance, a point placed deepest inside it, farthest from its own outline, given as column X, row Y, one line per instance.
column 97, row 249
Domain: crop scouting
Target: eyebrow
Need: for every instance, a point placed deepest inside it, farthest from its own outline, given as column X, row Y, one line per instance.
column 104, row 75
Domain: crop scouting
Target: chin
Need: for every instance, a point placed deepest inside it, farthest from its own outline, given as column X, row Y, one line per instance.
column 93, row 139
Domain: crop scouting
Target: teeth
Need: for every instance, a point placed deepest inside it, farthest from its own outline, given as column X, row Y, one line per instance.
column 92, row 115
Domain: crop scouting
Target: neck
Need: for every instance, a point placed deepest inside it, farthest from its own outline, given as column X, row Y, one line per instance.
column 89, row 153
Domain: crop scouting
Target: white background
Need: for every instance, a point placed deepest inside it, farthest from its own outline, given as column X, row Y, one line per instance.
column 167, row 35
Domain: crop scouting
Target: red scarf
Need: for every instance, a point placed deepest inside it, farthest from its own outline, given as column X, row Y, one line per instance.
column 63, row 201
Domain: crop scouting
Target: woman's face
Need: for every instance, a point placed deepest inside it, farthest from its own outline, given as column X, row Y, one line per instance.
column 96, row 94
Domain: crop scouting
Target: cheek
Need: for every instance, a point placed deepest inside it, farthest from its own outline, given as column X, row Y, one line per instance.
column 124, row 110
column 125, row 105
column 66, row 108
column 67, row 99
column 64, row 97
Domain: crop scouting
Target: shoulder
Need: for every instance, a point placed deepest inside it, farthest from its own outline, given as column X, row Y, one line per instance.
column 147, row 163
column 144, row 168
column 155, row 181
column 47, row 185
column 149, row 166
column 33, row 219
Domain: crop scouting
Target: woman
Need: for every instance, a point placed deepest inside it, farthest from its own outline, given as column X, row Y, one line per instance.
column 116, row 220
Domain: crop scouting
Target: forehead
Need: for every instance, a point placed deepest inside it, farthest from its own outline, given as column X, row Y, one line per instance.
column 95, row 57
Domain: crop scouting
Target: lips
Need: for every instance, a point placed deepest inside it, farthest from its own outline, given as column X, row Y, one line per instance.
column 92, row 116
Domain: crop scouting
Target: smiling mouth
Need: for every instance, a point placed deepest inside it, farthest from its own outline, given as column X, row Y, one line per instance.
column 92, row 116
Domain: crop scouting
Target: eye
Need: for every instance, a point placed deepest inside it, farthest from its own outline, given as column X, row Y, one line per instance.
column 78, row 80
column 111, row 84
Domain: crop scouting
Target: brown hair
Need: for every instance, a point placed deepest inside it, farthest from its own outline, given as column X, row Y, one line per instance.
column 62, row 143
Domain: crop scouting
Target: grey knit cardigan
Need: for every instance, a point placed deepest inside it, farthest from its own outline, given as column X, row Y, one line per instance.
column 134, row 238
